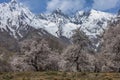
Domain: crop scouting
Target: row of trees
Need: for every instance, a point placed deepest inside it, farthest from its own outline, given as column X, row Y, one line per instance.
column 36, row 54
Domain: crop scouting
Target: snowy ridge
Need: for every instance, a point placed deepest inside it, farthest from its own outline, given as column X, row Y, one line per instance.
column 93, row 22
column 14, row 17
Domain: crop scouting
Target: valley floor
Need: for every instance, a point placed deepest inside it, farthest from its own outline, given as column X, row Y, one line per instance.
column 59, row 76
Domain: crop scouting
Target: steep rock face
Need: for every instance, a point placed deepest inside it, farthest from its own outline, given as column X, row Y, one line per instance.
column 8, row 42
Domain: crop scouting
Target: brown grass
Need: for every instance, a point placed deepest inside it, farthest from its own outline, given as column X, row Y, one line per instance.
column 51, row 75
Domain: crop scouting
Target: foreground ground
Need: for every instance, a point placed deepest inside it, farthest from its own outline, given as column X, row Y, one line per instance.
column 59, row 76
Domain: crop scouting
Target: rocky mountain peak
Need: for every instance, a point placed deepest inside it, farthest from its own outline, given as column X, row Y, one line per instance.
column 118, row 12
column 14, row 1
column 14, row 15
column 57, row 11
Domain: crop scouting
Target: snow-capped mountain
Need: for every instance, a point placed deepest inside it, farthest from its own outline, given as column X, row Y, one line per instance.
column 93, row 23
column 15, row 18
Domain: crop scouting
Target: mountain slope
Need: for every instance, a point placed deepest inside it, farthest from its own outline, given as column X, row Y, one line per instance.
column 16, row 20
column 93, row 23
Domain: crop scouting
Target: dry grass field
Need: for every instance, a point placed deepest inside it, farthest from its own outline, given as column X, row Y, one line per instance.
column 59, row 76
